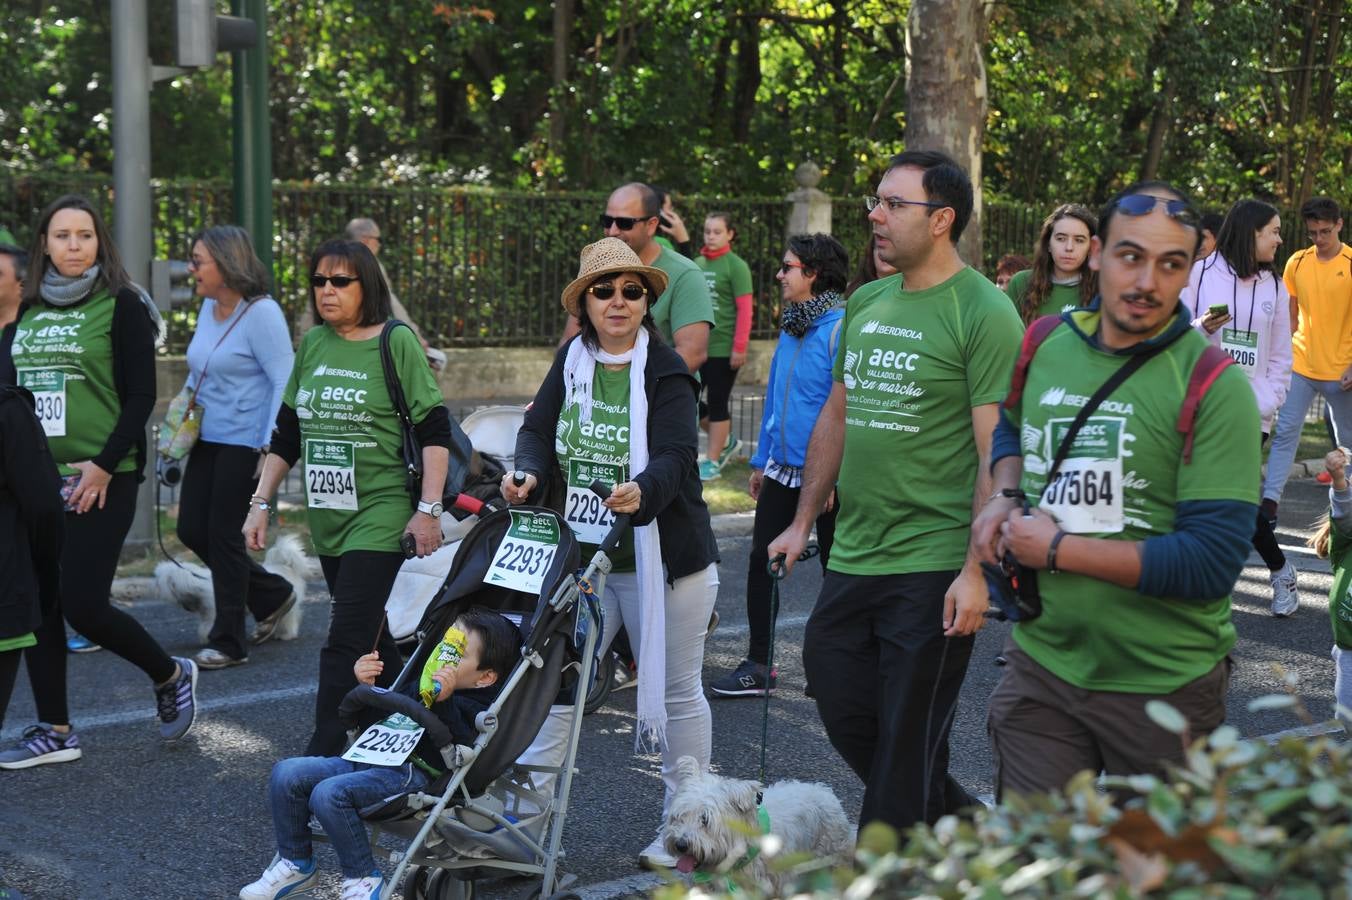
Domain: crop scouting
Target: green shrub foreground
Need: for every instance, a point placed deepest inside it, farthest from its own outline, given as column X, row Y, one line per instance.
column 1241, row 819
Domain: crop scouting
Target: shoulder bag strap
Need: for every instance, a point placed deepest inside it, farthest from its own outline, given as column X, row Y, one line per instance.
column 192, row 401
column 396, row 388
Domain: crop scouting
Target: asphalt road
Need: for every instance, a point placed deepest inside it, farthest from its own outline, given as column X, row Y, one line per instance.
column 138, row 819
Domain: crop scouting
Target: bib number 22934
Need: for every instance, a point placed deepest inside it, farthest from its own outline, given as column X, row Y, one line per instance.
column 330, row 474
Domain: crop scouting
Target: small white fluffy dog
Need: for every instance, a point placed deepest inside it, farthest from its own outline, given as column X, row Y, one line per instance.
column 189, row 585
column 804, row 818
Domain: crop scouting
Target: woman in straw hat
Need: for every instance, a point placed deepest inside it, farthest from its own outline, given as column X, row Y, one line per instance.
column 619, row 405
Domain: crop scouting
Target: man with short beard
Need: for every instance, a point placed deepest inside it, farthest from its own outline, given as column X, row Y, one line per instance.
column 1140, row 532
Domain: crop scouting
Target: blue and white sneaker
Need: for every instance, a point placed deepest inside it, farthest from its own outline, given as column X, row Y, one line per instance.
column 282, row 878
column 367, row 888
column 78, row 643
column 40, row 745
column 176, row 702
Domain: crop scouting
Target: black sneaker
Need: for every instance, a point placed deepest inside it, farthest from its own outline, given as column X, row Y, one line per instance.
column 176, row 701
column 749, row 679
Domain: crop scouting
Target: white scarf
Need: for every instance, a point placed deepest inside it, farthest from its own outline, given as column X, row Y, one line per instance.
column 578, row 370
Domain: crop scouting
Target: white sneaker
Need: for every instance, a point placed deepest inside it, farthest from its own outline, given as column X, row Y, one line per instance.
column 282, row 878
column 367, row 888
column 1285, row 597
column 655, row 856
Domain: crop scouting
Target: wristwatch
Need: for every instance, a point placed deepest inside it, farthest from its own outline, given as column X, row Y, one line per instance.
column 432, row 509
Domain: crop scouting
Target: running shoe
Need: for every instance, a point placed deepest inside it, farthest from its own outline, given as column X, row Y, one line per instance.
column 40, row 745
column 1285, row 596
column 730, row 450
column 267, row 626
column 211, row 658
column 78, row 643
column 655, row 855
column 176, row 701
column 367, row 888
column 709, row 470
column 282, row 878
column 749, row 679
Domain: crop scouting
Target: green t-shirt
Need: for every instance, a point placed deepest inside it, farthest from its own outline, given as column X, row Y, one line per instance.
column 65, row 357
column 686, row 298
column 914, row 364
column 1123, row 480
column 727, row 277
column 1340, row 595
column 1060, row 298
column 351, row 438
column 596, row 449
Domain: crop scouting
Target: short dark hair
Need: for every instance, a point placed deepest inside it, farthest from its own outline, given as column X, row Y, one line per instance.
column 945, row 182
column 109, row 261
column 233, row 253
column 1237, row 240
column 375, row 293
column 1321, row 209
column 649, row 200
column 499, row 638
column 1012, row 264
column 727, row 220
column 1212, row 222
column 18, row 257
column 1141, row 187
column 825, row 257
column 588, row 334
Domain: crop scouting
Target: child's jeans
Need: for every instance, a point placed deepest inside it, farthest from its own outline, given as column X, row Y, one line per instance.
column 1342, row 683
column 333, row 789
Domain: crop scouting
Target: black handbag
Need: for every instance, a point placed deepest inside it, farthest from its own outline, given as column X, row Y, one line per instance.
column 462, row 460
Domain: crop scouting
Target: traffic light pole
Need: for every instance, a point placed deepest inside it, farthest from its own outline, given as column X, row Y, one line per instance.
column 252, row 137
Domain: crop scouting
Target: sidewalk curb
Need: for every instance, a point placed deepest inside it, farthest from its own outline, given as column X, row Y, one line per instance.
column 1307, row 468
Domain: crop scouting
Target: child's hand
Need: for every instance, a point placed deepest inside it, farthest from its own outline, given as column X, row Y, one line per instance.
column 445, row 676
column 1335, row 463
column 367, row 668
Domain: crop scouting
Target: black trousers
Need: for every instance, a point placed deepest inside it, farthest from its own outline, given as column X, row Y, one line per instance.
column 774, row 512
column 9, row 673
column 88, row 564
column 886, row 682
column 359, row 582
column 1264, row 539
column 212, row 505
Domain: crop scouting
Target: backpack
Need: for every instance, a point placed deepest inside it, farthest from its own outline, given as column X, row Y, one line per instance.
column 1205, row 371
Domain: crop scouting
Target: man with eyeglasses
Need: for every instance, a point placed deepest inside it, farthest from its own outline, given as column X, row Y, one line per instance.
column 1141, row 519
column 684, row 312
column 923, row 360
column 1319, row 280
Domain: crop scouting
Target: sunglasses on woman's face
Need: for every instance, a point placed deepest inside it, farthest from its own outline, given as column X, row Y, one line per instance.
column 339, row 281
column 631, row 291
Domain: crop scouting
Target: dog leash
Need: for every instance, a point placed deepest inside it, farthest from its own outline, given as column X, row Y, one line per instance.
column 775, row 568
column 159, row 534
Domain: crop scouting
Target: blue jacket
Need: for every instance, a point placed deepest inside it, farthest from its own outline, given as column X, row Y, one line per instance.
column 800, row 382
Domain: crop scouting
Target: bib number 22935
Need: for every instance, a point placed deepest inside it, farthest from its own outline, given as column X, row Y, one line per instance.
column 386, row 743
column 330, row 474
column 525, row 553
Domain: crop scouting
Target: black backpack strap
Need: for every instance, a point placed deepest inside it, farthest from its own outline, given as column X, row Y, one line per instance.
column 412, row 450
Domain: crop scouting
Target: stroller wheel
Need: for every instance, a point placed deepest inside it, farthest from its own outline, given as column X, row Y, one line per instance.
column 443, row 885
column 602, row 683
column 415, row 883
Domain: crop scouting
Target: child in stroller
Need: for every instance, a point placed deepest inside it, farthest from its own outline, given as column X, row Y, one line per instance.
column 335, row 789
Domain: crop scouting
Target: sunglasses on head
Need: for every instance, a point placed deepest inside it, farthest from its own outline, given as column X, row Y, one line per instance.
column 631, row 291
column 624, row 223
column 1144, row 204
column 339, row 281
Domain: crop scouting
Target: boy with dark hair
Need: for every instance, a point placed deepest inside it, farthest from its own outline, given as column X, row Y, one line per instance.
column 333, row 789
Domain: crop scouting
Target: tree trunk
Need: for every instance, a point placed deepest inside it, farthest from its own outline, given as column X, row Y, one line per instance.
column 1314, row 148
column 748, row 79
column 558, row 108
column 946, row 92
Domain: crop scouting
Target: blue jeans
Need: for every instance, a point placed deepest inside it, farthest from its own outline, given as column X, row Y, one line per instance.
column 333, row 789
column 1292, row 418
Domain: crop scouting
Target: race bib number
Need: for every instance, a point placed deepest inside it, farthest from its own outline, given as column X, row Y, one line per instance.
column 525, row 553
column 1085, row 497
column 388, row 742
column 1242, row 346
column 590, row 520
column 49, row 394
column 330, row 474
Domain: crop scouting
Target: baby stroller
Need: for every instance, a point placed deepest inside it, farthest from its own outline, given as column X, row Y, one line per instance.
column 484, row 815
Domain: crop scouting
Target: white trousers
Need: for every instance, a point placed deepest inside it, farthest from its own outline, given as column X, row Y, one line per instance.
column 689, row 603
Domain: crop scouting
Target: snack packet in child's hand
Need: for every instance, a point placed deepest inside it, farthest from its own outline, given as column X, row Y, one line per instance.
column 448, row 652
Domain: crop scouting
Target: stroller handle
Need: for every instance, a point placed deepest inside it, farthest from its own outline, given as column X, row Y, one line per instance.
column 366, row 695
column 471, row 505
column 612, row 538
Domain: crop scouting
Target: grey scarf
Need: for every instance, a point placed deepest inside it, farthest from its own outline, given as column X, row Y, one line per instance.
column 61, row 291
column 798, row 317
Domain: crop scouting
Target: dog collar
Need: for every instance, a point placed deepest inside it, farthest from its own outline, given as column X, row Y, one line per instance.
column 763, row 815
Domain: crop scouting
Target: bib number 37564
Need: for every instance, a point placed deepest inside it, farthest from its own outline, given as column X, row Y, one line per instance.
column 330, row 474
column 1086, row 496
column 49, row 396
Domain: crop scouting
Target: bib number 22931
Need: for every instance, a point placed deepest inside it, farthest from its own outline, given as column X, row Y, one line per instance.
column 330, row 474
column 525, row 553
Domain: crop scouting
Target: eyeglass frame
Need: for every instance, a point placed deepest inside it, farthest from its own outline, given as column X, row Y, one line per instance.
column 1179, row 210
column 617, row 220
column 873, row 201
column 319, row 282
column 591, row 289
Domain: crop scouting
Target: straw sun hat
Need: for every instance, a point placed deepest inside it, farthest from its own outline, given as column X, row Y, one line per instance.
column 609, row 256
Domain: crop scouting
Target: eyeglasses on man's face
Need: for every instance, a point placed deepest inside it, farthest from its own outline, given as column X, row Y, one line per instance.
column 896, row 203
column 624, row 223
column 1318, row 234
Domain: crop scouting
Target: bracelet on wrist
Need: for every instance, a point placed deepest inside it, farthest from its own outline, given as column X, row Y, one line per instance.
column 1008, row 494
column 1051, row 552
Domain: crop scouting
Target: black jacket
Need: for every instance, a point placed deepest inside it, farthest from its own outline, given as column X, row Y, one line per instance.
column 459, row 713
column 671, row 490
column 32, row 519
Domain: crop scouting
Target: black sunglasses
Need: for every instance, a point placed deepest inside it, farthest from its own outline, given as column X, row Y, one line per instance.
column 624, row 223
column 1144, row 204
column 631, row 292
column 339, row 281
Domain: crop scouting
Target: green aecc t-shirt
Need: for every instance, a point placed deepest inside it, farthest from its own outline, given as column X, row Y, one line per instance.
column 727, row 277
column 914, row 364
column 592, row 450
column 1059, row 299
column 1123, row 480
column 686, row 299
column 351, row 437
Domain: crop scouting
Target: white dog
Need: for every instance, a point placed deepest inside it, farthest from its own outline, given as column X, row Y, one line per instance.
column 189, row 585
column 802, row 818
